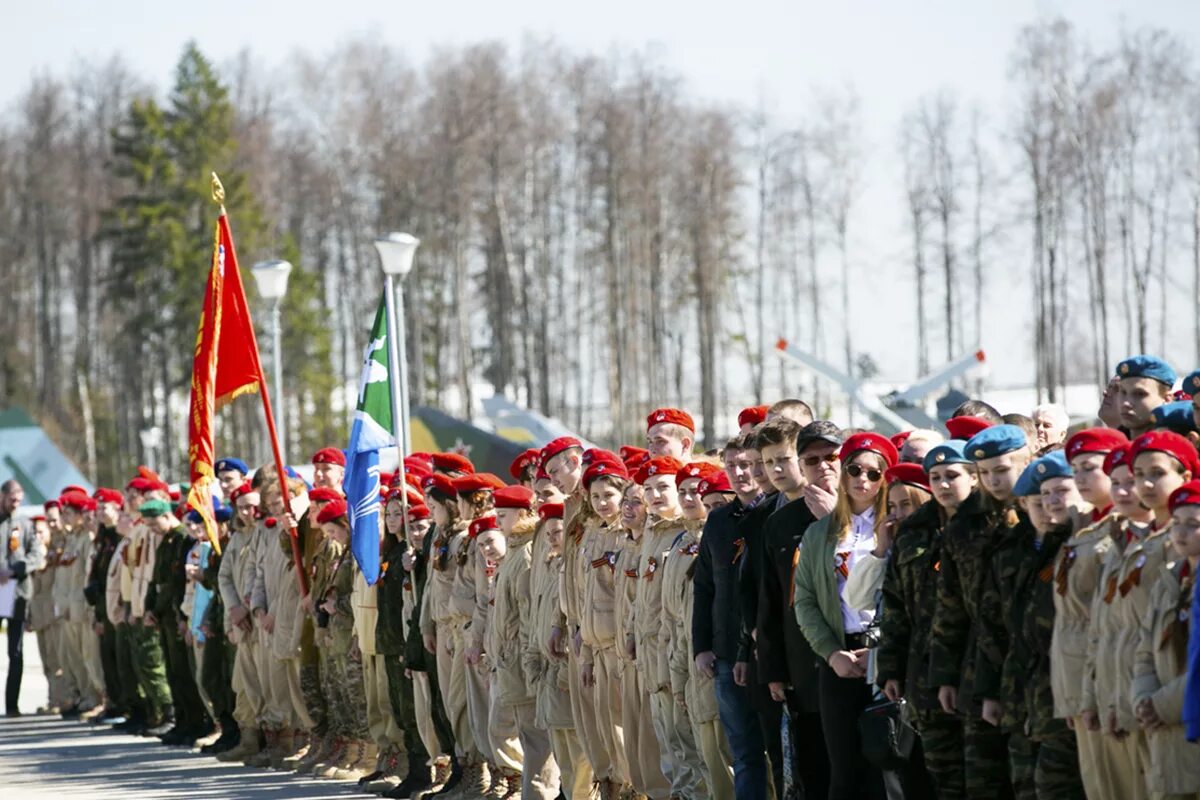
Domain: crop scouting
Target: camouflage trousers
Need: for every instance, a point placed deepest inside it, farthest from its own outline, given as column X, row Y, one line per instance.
column 130, row 695
column 1022, row 765
column 216, row 671
column 310, row 679
column 1056, row 774
column 347, row 698
column 985, row 757
column 404, row 709
column 942, row 743
column 150, row 669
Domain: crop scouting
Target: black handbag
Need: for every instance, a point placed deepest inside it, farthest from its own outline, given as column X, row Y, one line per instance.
column 887, row 737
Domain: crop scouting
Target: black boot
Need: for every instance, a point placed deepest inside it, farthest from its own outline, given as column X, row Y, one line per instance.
column 230, row 736
column 418, row 780
column 456, row 776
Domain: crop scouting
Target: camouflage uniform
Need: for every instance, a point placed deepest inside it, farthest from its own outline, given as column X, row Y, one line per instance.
column 1011, row 556
column 348, row 703
column 311, row 684
column 163, row 598
column 966, row 543
column 312, row 543
column 1056, row 773
column 389, row 643
column 909, row 601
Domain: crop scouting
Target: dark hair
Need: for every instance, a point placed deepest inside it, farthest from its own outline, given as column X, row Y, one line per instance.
column 9, row 485
column 734, row 443
column 980, row 409
column 779, row 430
column 792, row 409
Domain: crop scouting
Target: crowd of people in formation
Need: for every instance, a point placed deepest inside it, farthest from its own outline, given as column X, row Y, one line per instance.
column 997, row 612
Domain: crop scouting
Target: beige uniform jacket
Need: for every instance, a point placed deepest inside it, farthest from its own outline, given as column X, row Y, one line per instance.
column 113, row 602
column 144, row 544
column 436, row 606
column 650, row 635
column 1141, row 566
column 65, row 575
column 236, row 579
column 1099, row 679
column 675, row 582
column 366, row 612
column 462, row 587
column 544, row 671
column 1077, row 571
column 628, row 575
column 275, row 590
column 511, row 603
column 41, row 601
column 1159, row 675
column 597, row 559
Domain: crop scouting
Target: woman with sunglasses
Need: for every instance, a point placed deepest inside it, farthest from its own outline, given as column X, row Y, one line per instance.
column 835, row 630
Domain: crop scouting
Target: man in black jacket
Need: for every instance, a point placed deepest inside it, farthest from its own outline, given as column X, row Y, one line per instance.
column 786, row 663
column 717, row 623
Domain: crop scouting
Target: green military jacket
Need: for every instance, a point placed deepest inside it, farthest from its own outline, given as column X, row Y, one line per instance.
column 966, row 542
column 909, row 602
column 1012, row 551
column 169, row 581
column 1032, row 623
column 389, row 599
column 414, row 648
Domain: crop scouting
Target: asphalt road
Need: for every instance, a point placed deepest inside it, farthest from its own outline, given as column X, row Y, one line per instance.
column 49, row 757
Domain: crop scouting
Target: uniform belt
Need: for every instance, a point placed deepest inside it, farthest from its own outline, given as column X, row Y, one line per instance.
column 856, row 641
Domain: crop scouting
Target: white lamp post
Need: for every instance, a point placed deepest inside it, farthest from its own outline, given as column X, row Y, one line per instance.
column 396, row 251
column 271, row 278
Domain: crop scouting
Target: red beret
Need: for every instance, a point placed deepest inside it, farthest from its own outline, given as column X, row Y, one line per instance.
column 557, row 446
column 413, row 480
column 1167, row 442
column 912, row 474
column 695, row 469
column 663, row 465
column 159, row 486
column 73, row 488
column 1119, row 457
column 752, row 415
column 418, row 512
column 541, row 474
column 714, row 483
column 871, row 442
column 523, row 462
column 898, row 439
column 673, row 416
column 1094, row 440
column 319, row 494
column 452, row 462
column 513, row 497
column 594, row 454
column 426, row 457
column 477, row 482
column 635, row 461
column 604, row 467
column 418, row 466
column 628, row 452
column 175, row 495
column 245, row 489
column 408, row 495
column 482, row 525
column 139, row 484
column 965, row 427
column 49, row 504
column 76, row 500
column 443, row 485
column 1186, row 495
column 550, row 511
column 387, row 478
column 104, row 495
column 335, row 509
column 329, row 455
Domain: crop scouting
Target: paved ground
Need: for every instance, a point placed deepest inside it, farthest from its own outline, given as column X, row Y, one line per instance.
column 50, row 757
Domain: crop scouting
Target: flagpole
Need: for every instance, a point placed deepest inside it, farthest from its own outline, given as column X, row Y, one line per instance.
column 218, row 193
column 397, row 376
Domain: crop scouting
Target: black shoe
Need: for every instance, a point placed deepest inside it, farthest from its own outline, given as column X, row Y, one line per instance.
column 13, row 713
column 456, row 775
column 229, row 740
column 418, row 780
column 173, row 733
column 71, row 713
column 165, row 727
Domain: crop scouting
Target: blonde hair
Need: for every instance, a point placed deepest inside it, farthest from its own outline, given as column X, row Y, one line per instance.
column 480, row 502
column 839, row 521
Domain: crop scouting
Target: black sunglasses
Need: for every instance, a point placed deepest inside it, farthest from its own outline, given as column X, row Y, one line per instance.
column 812, row 461
column 856, row 470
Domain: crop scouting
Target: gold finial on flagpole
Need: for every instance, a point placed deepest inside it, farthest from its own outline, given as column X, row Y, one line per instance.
column 218, row 192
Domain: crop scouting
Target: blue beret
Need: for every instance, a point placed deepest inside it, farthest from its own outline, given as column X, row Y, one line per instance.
column 226, row 464
column 1175, row 417
column 223, row 513
column 192, row 516
column 1028, row 484
column 1191, row 384
column 1143, row 366
column 951, row 451
column 995, row 441
column 1052, row 465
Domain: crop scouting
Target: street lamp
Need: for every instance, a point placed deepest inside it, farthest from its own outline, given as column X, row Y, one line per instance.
column 396, row 251
column 271, row 278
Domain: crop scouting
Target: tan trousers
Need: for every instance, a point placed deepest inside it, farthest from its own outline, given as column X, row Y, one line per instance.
column 423, row 705
column 606, row 700
column 641, row 745
column 380, row 723
column 662, row 718
column 688, row 780
column 479, row 704
column 539, row 772
column 452, row 678
column 584, row 712
column 718, row 760
column 503, row 735
column 89, row 643
column 247, row 684
column 575, row 771
column 51, row 666
column 70, row 655
column 276, row 711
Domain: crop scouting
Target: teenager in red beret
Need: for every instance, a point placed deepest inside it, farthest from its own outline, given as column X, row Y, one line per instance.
column 670, row 432
column 525, row 466
column 751, row 416
column 452, row 464
column 666, row 527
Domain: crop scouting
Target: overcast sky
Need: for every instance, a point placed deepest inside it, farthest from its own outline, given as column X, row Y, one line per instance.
column 892, row 51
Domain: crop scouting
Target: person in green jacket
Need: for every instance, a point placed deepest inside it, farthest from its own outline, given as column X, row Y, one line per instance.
column 835, row 630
